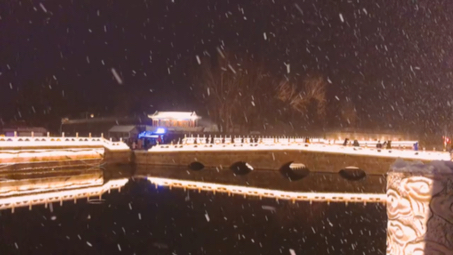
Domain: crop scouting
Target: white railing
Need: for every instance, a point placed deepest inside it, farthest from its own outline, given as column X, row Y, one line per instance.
column 300, row 144
column 30, row 141
column 395, row 144
column 238, row 141
column 13, row 156
column 268, row 193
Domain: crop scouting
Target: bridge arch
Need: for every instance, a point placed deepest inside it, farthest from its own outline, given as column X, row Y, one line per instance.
column 294, row 171
column 196, row 166
column 241, row 168
column 352, row 173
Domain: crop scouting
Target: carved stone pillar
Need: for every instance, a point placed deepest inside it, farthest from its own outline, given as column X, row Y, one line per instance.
column 420, row 209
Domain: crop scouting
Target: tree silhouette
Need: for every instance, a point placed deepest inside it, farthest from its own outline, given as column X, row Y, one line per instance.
column 307, row 98
column 349, row 113
column 229, row 86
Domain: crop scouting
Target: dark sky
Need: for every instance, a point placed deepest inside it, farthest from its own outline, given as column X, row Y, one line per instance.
column 391, row 58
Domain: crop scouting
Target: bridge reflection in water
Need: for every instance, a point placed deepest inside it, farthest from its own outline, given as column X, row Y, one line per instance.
column 48, row 186
column 143, row 219
column 268, row 193
column 31, row 188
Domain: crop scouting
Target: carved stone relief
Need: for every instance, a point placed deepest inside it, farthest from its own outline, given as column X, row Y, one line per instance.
column 420, row 212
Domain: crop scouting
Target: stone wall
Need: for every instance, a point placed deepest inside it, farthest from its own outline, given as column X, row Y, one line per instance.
column 273, row 160
column 118, row 156
column 420, row 209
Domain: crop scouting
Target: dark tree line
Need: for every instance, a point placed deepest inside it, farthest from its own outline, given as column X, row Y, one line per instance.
column 240, row 93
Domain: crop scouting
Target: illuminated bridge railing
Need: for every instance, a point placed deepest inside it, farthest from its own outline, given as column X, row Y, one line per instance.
column 314, row 145
column 253, row 141
column 268, row 193
column 59, row 195
column 30, row 141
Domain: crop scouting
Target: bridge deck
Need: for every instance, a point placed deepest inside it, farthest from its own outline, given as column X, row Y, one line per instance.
column 335, row 149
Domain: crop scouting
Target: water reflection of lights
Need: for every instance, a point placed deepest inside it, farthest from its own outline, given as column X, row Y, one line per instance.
column 60, row 195
column 268, row 193
column 12, row 187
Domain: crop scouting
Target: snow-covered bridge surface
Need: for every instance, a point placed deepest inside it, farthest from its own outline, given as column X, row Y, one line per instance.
column 317, row 155
column 36, row 142
column 269, row 193
column 395, row 152
column 33, row 151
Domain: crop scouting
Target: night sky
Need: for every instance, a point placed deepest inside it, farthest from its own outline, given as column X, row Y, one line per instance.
column 392, row 59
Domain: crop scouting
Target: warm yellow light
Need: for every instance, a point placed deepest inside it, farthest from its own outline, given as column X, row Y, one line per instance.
column 58, row 196
column 21, row 187
column 276, row 194
column 174, row 116
column 11, row 142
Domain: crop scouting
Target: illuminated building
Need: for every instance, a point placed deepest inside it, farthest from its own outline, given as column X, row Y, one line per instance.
column 174, row 120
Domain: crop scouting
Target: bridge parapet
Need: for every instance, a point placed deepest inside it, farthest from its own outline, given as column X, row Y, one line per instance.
column 30, row 141
column 274, row 153
column 18, row 153
column 283, row 140
column 269, row 144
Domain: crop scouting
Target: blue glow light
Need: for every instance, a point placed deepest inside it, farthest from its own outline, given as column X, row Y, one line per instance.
column 142, row 134
column 160, row 131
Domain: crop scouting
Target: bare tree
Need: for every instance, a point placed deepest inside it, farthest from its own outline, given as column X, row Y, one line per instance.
column 299, row 96
column 227, row 87
column 349, row 113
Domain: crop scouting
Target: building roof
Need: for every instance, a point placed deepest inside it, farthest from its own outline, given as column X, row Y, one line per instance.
column 174, row 115
column 25, row 129
column 122, row 128
column 126, row 120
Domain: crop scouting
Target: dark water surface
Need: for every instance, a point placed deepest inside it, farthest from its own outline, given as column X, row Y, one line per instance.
column 143, row 219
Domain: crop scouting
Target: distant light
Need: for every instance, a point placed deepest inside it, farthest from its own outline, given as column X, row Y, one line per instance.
column 92, row 115
column 160, row 131
column 142, row 134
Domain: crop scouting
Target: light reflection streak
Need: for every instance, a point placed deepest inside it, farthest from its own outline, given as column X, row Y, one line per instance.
column 269, row 193
column 13, row 187
column 60, row 195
